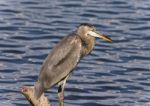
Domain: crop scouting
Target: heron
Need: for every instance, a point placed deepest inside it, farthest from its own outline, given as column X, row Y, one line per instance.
column 64, row 57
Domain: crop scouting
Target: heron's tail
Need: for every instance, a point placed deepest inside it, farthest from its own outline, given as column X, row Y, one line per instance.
column 38, row 90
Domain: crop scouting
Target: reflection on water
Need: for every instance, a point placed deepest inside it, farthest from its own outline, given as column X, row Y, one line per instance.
column 115, row 74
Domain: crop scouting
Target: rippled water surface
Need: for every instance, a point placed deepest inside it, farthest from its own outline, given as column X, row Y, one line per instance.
column 115, row 74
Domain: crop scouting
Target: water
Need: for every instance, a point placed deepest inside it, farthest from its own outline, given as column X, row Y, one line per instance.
column 115, row 74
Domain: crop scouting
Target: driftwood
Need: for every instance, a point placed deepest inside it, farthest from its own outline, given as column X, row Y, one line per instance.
column 28, row 92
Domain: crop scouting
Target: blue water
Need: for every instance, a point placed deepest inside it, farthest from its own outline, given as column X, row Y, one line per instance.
column 115, row 74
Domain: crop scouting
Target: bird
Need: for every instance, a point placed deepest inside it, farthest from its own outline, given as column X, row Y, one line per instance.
column 64, row 57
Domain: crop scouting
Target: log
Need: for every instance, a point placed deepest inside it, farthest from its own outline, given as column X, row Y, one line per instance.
column 28, row 92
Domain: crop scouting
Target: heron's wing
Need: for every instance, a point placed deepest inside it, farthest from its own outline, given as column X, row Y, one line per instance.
column 61, row 61
column 61, row 50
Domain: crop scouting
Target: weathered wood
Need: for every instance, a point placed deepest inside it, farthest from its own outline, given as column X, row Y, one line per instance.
column 28, row 92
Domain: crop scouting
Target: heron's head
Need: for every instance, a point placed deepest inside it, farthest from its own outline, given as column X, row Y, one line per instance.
column 86, row 29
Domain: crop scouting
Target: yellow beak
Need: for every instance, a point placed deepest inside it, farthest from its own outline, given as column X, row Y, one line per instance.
column 104, row 37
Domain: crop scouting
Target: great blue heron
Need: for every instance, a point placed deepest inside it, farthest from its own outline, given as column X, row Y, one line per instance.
column 64, row 57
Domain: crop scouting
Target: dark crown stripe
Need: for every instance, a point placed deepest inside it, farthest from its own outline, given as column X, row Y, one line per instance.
column 86, row 24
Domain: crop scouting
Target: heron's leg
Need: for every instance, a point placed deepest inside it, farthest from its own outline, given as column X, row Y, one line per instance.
column 61, row 92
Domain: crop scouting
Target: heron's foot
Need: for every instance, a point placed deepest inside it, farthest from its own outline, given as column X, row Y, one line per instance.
column 61, row 96
column 61, row 91
column 61, row 100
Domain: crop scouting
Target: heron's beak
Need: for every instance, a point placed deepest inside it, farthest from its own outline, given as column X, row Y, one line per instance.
column 104, row 37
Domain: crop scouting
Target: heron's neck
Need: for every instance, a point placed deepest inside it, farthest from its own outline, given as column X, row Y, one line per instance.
column 87, row 45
